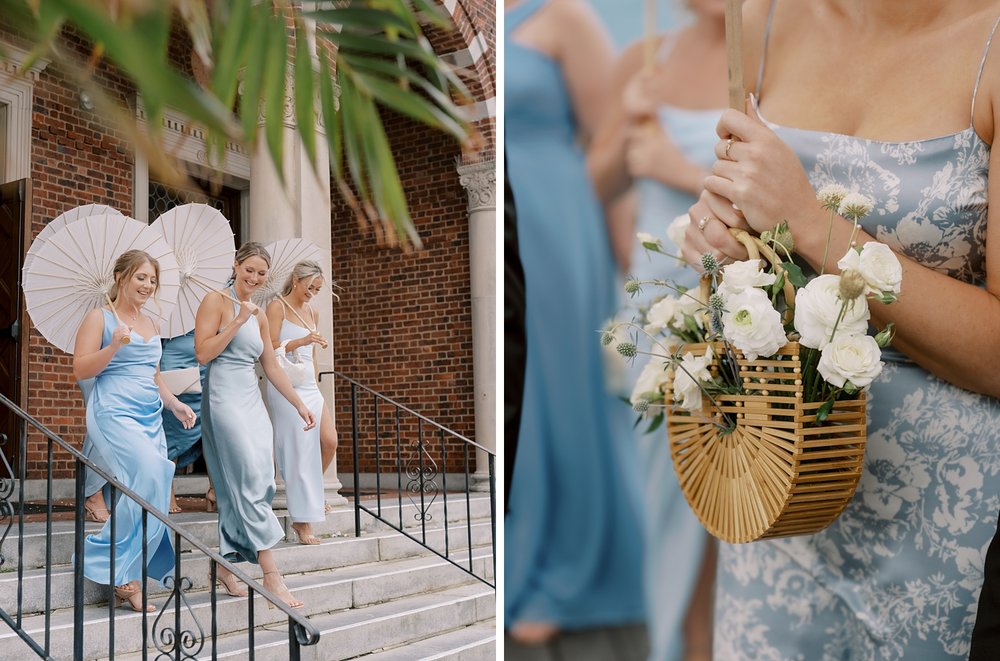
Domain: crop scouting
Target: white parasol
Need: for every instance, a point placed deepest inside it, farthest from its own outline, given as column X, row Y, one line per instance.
column 202, row 242
column 63, row 219
column 73, row 271
column 285, row 254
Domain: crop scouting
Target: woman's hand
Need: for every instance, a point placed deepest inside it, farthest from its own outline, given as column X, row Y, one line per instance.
column 118, row 336
column 247, row 310
column 761, row 175
column 315, row 338
column 183, row 413
column 711, row 219
column 307, row 416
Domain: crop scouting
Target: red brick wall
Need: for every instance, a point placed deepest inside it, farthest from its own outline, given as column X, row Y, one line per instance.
column 76, row 158
column 403, row 326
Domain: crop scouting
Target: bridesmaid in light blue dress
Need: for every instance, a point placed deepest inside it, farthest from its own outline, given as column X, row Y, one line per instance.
column 898, row 574
column 574, row 510
column 124, row 424
column 236, row 430
column 299, row 453
column 662, row 165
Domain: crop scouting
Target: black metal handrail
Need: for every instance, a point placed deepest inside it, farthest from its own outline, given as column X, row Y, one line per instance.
column 421, row 472
column 171, row 642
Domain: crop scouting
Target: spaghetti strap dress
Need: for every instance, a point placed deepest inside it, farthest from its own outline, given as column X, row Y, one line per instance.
column 125, row 427
column 898, row 575
column 237, row 441
column 574, row 509
column 297, row 451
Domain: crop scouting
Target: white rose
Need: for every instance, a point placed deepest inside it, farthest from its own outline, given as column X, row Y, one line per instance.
column 752, row 324
column 660, row 315
column 817, row 306
column 740, row 276
column 649, row 385
column 692, row 371
column 854, row 358
column 878, row 265
column 677, row 228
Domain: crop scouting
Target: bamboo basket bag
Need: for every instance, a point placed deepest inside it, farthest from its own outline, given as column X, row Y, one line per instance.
column 774, row 472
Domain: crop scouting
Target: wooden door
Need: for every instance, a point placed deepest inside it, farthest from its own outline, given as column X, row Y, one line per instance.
column 13, row 226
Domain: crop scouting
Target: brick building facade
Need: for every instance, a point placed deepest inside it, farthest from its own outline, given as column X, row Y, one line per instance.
column 404, row 323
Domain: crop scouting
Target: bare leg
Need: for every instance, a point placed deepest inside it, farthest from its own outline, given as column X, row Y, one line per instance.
column 533, row 633
column 327, row 444
column 698, row 620
column 229, row 582
column 273, row 580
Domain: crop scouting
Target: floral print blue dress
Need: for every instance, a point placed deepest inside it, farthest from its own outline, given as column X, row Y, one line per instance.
column 898, row 575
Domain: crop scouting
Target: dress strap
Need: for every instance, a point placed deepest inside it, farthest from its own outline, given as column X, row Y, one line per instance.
column 982, row 65
column 763, row 52
column 514, row 17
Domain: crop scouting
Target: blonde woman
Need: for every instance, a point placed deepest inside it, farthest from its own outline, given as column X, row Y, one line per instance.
column 303, row 456
column 229, row 337
column 125, row 426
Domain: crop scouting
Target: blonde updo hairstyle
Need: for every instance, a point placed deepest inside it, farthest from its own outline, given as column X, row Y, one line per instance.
column 125, row 267
column 248, row 250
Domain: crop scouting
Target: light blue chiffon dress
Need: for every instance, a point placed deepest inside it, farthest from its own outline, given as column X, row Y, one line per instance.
column 574, row 528
column 237, row 440
column 182, row 444
column 898, row 575
column 124, row 424
column 297, row 451
column 676, row 541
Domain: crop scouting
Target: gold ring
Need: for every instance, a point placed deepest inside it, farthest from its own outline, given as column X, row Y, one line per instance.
column 729, row 145
column 703, row 222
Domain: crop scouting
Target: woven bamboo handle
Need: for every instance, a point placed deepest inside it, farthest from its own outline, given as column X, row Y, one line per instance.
column 758, row 249
column 126, row 339
column 734, row 53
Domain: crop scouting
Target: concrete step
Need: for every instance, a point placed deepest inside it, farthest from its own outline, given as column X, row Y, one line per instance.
column 339, row 523
column 336, row 590
column 292, row 558
column 354, row 633
column 477, row 642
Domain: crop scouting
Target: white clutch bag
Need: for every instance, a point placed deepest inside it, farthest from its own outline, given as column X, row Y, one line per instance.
column 182, row 382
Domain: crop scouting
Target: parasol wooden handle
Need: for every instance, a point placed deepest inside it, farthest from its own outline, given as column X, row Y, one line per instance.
column 296, row 313
column 734, row 54
column 126, row 339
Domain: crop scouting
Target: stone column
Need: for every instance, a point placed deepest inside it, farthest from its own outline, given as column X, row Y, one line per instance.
column 301, row 210
column 479, row 181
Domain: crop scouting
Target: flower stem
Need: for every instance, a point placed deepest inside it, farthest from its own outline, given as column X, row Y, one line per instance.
column 826, row 248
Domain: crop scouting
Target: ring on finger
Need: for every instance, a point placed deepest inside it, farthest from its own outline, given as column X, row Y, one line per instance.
column 729, row 145
column 703, row 222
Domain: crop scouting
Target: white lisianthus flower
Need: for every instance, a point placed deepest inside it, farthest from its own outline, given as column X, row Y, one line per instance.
column 855, row 206
column 752, row 324
column 678, row 226
column 692, row 371
column 740, row 276
column 649, row 241
column 878, row 265
column 831, row 195
column 854, row 358
column 660, row 315
column 649, row 385
column 817, row 306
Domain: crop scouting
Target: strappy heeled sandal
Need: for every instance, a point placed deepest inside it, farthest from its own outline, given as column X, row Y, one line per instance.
column 291, row 600
column 307, row 540
column 127, row 593
column 96, row 515
column 230, row 584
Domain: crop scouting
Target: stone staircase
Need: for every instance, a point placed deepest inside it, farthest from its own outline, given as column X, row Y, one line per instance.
column 381, row 595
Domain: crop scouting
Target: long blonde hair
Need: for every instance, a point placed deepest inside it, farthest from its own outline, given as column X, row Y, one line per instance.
column 125, row 267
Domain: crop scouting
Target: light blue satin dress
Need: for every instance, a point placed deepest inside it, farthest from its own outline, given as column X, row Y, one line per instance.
column 182, row 444
column 124, row 424
column 575, row 503
column 898, row 575
column 297, row 451
column 237, row 440
column 676, row 541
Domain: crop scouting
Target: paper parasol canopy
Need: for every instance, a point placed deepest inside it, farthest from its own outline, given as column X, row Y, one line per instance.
column 73, row 270
column 202, row 242
column 285, row 254
column 60, row 221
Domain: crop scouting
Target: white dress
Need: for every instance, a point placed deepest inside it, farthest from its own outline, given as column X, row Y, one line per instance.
column 297, row 451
